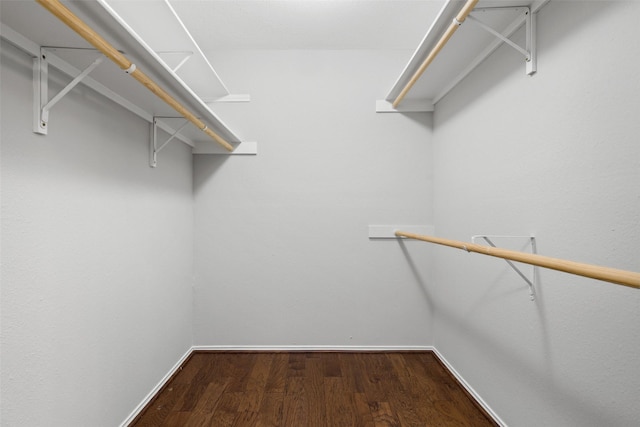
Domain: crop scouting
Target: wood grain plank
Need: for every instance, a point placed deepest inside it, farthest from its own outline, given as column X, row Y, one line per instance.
column 422, row 402
column 382, row 415
column 176, row 419
column 254, row 390
column 227, row 410
column 403, row 404
column 296, row 364
column 399, row 364
column 271, row 410
column 202, row 413
column 362, row 410
column 256, row 383
column 295, row 402
column 278, row 373
column 451, row 414
column 331, row 365
column 190, row 398
column 240, row 371
column 372, row 379
column 160, row 408
column 352, row 375
column 190, row 369
column 221, row 365
column 340, row 407
column 314, row 391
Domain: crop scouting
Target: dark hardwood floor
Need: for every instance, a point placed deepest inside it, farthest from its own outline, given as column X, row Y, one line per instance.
column 313, row 389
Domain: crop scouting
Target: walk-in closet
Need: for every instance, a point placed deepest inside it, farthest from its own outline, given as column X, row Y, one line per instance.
column 319, row 213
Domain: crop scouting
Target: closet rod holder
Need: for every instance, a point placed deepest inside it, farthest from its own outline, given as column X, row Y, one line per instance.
column 529, row 51
column 457, row 21
column 97, row 41
column 41, row 101
column 515, row 268
column 154, row 149
column 620, row 277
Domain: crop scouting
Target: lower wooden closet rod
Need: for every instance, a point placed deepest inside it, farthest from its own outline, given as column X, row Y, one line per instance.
column 620, row 277
column 97, row 41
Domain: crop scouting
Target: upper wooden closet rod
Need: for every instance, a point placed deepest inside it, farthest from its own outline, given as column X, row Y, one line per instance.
column 87, row 33
column 459, row 19
column 620, row 277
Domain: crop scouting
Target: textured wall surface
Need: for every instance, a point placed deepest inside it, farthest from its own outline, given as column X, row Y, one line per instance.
column 97, row 257
column 556, row 155
column 282, row 253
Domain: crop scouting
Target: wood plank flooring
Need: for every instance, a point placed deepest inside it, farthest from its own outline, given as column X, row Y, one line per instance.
column 313, row 389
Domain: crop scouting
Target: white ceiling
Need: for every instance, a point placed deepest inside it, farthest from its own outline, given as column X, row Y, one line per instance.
column 307, row 24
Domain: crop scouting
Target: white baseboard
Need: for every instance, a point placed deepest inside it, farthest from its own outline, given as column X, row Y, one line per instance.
column 372, row 348
column 469, row 389
column 291, row 348
column 156, row 389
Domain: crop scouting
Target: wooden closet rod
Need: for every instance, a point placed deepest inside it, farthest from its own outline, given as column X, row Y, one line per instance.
column 459, row 19
column 87, row 33
column 620, row 277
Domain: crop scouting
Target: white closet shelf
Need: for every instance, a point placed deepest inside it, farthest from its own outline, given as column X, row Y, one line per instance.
column 33, row 29
column 467, row 48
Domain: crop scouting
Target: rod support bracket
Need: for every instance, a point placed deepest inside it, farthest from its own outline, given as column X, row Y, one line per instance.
column 532, row 242
column 529, row 51
column 154, row 148
column 42, row 105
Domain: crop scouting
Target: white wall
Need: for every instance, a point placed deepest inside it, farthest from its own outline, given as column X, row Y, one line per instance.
column 556, row 155
column 282, row 253
column 97, row 258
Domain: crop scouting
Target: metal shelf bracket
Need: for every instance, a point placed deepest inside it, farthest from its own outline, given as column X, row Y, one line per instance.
column 531, row 282
column 41, row 102
column 529, row 51
column 154, row 149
